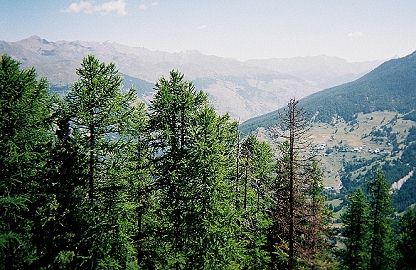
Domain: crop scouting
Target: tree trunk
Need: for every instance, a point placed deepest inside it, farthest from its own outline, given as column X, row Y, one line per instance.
column 291, row 186
column 91, row 164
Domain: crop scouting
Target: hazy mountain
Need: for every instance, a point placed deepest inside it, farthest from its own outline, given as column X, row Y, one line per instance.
column 244, row 89
column 362, row 125
column 324, row 71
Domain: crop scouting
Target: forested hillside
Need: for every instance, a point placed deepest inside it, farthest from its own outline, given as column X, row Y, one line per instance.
column 97, row 180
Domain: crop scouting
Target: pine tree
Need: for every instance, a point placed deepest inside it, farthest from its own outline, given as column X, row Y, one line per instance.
column 24, row 136
column 356, row 232
column 382, row 255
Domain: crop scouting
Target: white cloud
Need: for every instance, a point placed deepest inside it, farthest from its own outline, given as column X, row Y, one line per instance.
column 146, row 5
column 118, row 6
column 202, row 26
column 356, row 34
column 115, row 6
column 81, row 6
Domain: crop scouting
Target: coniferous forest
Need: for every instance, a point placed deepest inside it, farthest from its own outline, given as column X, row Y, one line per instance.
column 99, row 180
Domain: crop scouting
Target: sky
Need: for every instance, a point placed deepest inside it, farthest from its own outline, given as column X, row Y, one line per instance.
column 242, row 29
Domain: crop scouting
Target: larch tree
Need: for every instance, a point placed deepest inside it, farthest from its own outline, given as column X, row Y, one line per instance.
column 257, row 168
column 24, row 136
column 175, row 104
column 406, row 246
column 63, row 191
column 356, row 232
column 191, row 154
column 316, row 234
column 290, row 191
column 99, row 113
column 382, row 248
column 138, row 181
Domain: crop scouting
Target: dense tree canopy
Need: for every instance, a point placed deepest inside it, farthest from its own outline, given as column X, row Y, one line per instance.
column 24, row 141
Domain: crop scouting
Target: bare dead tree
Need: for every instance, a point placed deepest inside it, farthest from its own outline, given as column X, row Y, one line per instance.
column 292, row 181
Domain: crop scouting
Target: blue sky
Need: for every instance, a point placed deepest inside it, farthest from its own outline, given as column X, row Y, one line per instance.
column 244, row 29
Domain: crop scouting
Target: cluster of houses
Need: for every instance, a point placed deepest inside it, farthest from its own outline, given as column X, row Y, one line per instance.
column 328, row 150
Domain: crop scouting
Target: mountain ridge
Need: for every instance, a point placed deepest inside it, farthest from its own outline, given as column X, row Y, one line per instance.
column 236, row 87
column 395, row 76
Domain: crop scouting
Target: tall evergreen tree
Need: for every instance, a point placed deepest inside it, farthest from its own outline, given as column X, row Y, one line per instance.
column 24, row 136
column 356, row 232
column 195, row 218
column 99, row 113
column 316, row 236
column 382, row 255
column 257, row 167
column 60, row 219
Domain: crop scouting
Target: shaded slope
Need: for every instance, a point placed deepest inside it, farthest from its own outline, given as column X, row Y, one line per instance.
column 391, row 86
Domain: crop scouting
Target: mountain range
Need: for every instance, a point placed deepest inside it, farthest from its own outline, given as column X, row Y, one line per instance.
column 242, row 88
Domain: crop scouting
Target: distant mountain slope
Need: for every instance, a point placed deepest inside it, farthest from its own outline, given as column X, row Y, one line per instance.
column 244, row 89
column 324, row 71
column 391, row 87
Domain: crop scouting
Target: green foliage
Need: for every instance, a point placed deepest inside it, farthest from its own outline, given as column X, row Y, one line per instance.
column 406, row 243
column 406, row 195
column 120, row 187
column 382, row 247
column 107, row 124
column 256, row 166
column 24, row 136
column 191, row 147
column 356, row 232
